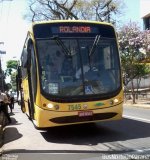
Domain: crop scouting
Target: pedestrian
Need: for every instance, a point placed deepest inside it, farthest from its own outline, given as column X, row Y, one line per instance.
column 3, row 105
column 12, row 102
column 9, row 101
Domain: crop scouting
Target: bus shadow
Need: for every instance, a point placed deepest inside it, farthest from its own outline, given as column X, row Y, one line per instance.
column 95, row 133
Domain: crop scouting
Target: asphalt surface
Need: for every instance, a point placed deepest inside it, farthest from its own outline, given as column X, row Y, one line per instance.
column 102, row 140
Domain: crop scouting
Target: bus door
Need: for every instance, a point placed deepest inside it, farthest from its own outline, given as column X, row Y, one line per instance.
column 31, row 72
column 20, row 98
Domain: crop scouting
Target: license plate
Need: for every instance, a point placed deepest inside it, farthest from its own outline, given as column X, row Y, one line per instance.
column 85, row 113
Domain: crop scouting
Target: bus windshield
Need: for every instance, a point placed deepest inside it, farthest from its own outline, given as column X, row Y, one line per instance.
column 79, row 72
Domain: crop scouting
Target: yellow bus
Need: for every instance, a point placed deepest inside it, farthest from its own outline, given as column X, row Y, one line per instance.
column 70, row 73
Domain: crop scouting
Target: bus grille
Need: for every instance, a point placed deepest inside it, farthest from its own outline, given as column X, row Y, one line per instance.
column 76, row 118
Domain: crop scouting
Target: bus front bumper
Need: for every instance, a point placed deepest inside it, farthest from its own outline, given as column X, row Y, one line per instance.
column 46, row 118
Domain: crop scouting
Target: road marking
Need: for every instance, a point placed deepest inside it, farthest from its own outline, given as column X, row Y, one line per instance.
column 137, row 118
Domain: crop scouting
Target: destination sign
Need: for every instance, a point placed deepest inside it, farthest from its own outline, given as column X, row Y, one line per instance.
column 74, row 29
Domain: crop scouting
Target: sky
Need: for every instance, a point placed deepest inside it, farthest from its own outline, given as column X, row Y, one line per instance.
column 131, row 11
column 13, row 28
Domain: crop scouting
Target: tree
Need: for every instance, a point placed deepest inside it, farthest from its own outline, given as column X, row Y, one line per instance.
column 146, row 45
column 100, row 10
column 51, row 9
column 11, row 65
column 11, row 71
column 13, row 81
column 132, row 42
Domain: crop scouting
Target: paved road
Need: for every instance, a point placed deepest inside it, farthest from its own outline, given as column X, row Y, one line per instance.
column 141, row 114
column 129, row 135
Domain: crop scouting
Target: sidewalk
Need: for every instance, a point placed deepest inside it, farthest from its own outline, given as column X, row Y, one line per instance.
column 139, row 103
column 2, row 124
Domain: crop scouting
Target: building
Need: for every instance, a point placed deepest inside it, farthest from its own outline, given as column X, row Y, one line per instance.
column 145, row 13
column 146, row 21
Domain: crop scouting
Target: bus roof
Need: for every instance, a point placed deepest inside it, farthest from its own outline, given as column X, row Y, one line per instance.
column 71, row 21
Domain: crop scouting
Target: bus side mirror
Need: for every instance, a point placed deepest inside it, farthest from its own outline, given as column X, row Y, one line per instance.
column 19, row 77
column 19, row 72
column 29, row 53
column 18, row 80
column 26, row 63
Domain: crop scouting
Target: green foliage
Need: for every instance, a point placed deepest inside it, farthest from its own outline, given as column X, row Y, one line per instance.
column 11, row 71
column 133, row 50
column 13, row 81
column 12, row 64
column 131, row 42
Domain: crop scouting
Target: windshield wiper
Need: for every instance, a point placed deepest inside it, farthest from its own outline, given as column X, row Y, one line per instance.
column 95, row 43
column 60, row 43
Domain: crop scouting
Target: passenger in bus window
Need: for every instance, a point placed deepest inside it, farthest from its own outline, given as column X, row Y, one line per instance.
column 67, row 67
column 57, row 59
column 53, row 65
column 86, row 68
column 89, row 68
column 52, row 72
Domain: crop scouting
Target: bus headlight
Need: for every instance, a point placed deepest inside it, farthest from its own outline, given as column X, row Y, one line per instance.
column 116, row 100
column 50, row 106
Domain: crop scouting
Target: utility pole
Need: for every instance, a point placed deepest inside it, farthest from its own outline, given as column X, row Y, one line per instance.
column 1, row 71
